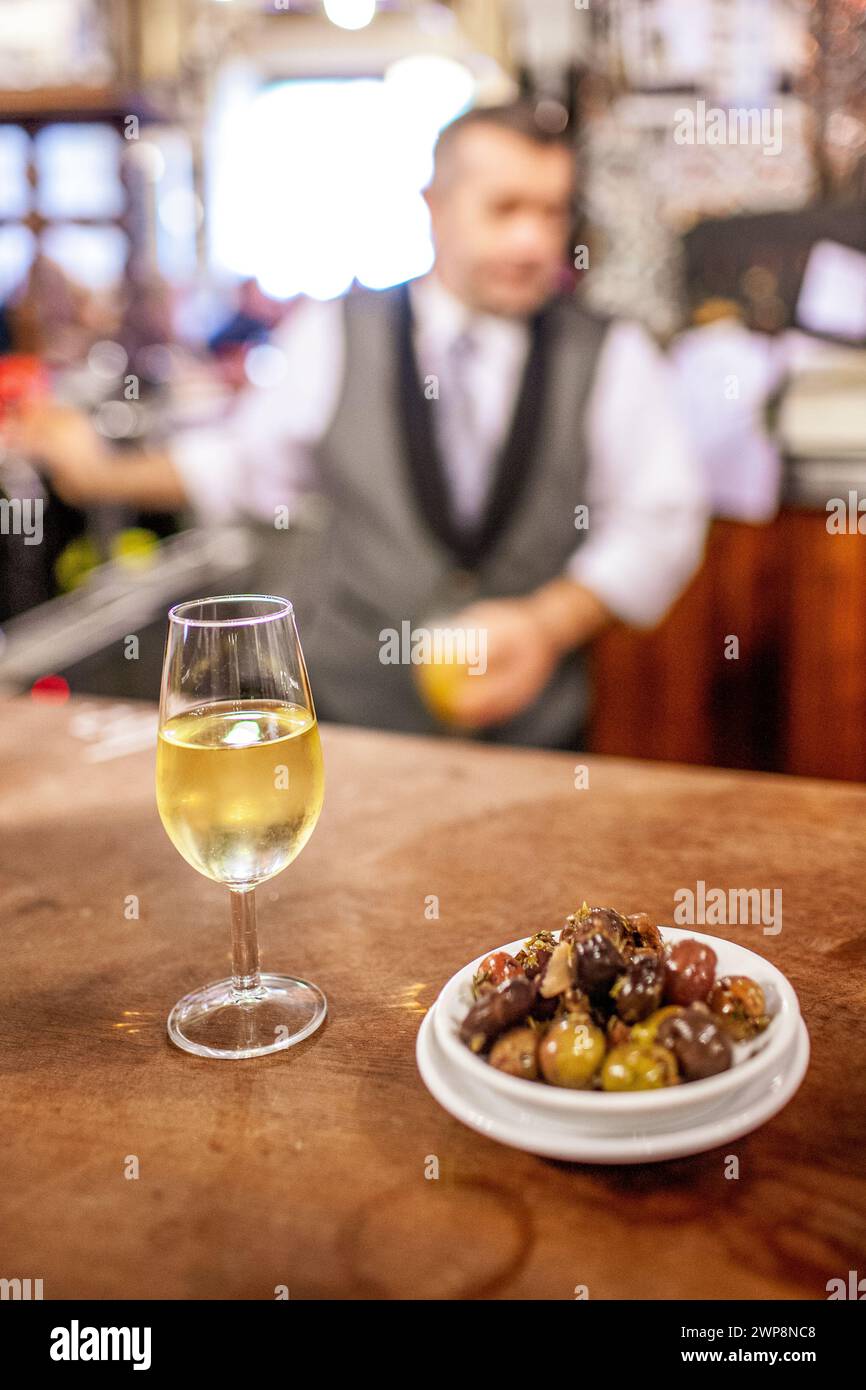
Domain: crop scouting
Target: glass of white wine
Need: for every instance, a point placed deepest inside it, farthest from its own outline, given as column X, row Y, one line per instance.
column 239, row 786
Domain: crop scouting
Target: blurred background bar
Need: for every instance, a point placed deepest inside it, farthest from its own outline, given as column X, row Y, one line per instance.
column 178, row 176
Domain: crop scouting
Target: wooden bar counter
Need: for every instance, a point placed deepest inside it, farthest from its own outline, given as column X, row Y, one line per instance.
column 307, row 1169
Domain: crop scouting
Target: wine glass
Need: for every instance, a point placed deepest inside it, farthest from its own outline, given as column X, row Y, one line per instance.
column 239, row 786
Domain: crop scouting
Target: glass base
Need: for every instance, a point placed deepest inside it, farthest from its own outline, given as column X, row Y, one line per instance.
column 220, row 1021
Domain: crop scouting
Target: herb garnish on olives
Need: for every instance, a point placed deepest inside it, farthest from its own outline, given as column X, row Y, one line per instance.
column 607, row 1004
column 739, row 1004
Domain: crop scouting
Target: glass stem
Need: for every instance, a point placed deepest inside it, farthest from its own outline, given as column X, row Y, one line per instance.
column 245, row 944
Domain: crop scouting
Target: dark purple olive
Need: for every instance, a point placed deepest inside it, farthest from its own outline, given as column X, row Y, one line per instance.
column 544, row 1009
column 699, row 1044
column 638, row 992
column 598, row 919
column 597, row 965
column 496, row 1010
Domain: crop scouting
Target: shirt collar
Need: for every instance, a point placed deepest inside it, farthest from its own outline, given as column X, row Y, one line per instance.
column 440, row 317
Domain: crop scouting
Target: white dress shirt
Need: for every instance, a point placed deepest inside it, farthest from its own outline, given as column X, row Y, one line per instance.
column 490, row 377
column 644, row 489
column 726, row 374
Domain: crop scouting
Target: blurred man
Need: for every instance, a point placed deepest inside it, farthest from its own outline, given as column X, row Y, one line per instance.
column 490, row 451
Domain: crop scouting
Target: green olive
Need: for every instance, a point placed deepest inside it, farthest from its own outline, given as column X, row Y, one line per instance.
column 516, row 1052
column 632, row 1067
column 571, row 1052
column 644, row 1032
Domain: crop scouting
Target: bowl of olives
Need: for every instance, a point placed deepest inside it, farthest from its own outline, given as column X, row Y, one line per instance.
column 616, row 1022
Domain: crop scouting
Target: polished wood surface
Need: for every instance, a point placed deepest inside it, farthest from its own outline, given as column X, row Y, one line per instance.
column 307, row 1169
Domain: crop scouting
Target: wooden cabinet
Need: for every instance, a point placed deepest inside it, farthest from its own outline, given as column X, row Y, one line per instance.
column 793, row 699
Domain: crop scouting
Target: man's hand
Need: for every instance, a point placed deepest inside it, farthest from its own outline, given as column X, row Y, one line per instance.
column 526, row 639
column 83, row 469
column 521, row 658
column 64, row 444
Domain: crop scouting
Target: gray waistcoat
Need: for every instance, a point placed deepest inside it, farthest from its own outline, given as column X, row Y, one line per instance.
column 379, row 561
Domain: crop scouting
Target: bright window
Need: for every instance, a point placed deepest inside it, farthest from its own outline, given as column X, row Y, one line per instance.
column 78, row 171
column 317, row 183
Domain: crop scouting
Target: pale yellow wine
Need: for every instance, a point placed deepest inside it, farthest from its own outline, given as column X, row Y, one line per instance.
column 239, row 787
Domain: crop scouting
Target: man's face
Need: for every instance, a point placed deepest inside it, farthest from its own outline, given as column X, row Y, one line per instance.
column 500, row 216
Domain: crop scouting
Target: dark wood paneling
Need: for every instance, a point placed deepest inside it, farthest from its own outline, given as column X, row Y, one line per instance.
column 795, row 698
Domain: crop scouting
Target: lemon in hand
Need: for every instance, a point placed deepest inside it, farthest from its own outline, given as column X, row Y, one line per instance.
column 441, row 683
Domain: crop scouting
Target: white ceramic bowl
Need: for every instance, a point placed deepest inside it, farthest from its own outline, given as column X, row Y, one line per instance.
column 626, row 1112
column 572, row 1140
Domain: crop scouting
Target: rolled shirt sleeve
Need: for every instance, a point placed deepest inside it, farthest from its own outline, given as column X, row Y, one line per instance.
column 646, row 496
column 261, row 456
